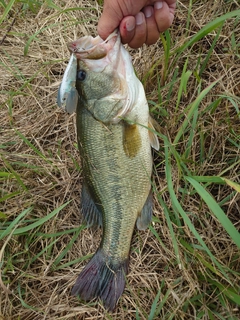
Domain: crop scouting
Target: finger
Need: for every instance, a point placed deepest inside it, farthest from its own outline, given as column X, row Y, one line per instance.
column 127, row 29
column 109, row 20
column 140, row 35
column 152, row 28
column 114, row 12
column 163, row 15
column 172, row 5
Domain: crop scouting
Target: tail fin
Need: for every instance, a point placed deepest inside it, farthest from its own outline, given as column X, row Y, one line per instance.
column 101, row 279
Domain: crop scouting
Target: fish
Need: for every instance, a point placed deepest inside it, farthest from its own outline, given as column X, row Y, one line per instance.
column 67, row 97
column 115, row 136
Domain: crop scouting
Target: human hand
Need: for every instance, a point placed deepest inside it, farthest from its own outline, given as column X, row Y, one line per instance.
column 139, row 21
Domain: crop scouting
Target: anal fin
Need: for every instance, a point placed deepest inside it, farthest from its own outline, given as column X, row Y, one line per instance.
column 145, row 216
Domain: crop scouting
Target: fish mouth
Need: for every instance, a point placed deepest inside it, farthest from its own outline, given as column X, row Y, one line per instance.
column 94, row 48
column 108, row 56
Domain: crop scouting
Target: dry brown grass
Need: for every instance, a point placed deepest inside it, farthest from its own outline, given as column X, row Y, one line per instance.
column 47, row 173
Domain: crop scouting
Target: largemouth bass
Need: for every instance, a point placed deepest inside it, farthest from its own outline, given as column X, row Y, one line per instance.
column 115, row 136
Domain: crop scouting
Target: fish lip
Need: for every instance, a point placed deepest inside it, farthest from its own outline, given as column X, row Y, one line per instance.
column 94, row 48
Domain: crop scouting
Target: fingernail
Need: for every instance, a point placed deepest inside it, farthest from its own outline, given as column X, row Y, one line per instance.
column 148, row 12
column 139, row 18
column 158, row 5
column 130, row 25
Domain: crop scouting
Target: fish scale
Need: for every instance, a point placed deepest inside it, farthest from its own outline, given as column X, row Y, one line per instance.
column 111, row 178
column 115, row 147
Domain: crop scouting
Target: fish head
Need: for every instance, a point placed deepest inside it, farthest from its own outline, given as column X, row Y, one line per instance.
column 103, row 68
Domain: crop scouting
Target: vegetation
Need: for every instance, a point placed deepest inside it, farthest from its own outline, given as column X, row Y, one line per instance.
column 187, row 265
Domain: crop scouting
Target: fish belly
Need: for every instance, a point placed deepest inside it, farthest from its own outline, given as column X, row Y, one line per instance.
column 117, row 167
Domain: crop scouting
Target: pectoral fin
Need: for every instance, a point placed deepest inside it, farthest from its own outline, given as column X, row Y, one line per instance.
column 132, row 141
column 152, row 135
column 91, row 213
column 145, row 216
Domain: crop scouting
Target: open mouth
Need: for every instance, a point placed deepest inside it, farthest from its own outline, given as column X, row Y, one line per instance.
column 93, row 48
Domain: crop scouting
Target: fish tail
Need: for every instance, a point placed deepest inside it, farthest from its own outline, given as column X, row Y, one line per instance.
column 102, row 279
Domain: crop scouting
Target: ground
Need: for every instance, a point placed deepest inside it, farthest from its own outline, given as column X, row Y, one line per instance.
column 186, row 265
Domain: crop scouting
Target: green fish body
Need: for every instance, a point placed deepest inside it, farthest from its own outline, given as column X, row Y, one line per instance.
column 115, row 147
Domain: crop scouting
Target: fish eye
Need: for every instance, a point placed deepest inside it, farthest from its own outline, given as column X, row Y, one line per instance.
column 81, row 75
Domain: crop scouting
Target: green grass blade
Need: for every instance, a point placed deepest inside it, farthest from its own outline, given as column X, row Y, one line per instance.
column 74, row 262
column 225, row 200
column 57, row 234
column 41, row 221
column 191, row 134
column 232, row 184
column 8, row 175
column 205, row 62
column 45, row 249
column 219, row 180
column 14, row 173
column 171, row 86
column 9, row 196
column 217, row 211
column 193, row 108
column 183, row 83
column 3, row 216
column 34, row 37
column 192, row 250
column 173, row 237
column 209, row 179
column 229, row 292
column 39, row 153
column 206, row 30
column 156, row 235
column 235, row 164
column 31, row 226
column 188, row 18
column 154, row 306
column 164, row 299
column 13, row 68
column 68, row 247
column 24, row 304
column 3, row 3
column 235, row 101
column 14, row 223
column 7, row 9
column 185, row 217
column 166, row 42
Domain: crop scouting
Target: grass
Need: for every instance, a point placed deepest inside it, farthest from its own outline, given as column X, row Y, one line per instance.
column 186, row 266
